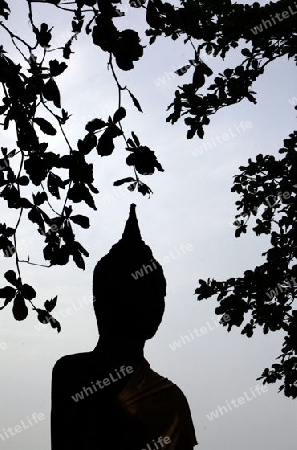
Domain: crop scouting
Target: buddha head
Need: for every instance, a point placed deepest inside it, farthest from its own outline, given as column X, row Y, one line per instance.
column 129, row 288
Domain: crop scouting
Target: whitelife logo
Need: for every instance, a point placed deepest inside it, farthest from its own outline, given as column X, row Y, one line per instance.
column 221, row 410
column 293, row 101
column 176, row 253
column 179, row 70
column 85, row 301
column 159, row 444
column 3, row 346
column 273, row 20
column 280, row 288
column 24, row 425
column 214, row 141
column 102, row 384
column 198, row 332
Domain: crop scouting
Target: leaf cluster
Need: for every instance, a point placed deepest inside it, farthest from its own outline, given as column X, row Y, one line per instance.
column 265, row 297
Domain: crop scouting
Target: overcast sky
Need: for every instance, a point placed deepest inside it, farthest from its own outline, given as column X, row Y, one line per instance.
column 192, row 206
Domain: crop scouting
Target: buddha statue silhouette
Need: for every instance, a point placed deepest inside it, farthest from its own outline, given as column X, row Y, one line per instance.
column 110, row 398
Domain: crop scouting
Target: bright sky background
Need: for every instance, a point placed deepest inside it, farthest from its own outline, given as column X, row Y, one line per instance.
column 192, row 204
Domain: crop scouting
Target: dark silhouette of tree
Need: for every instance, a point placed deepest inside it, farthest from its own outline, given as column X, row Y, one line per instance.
column 30, row 93
column 262, row 297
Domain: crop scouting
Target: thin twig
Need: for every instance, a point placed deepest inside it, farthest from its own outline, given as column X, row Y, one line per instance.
column 18, row 221
column 15, row 247
column 14, row 36
column 58, row 214
column 120, row 88
column 58, row 120
column 34, row 264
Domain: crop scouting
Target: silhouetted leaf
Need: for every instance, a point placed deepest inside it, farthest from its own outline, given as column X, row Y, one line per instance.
column 83, row 221
column 94, row 125
column 114, row 130
column 12, row 195
column 248, row 330
column 43, row 35
column 54, row 182
column 10, row 276
column 39, row 198
column 135, row 138
column 79, row 192
column 128, row 49
column 81, row 249
column 77, row 258
column 132, row 186
column 55, row 324
column 206, row 69
column 93, row 188
column 36, row 217
column 135, row 101
column 144, row 189
column 28, row 292
column 50, row 304
column 105, row 144
column 87, row 144
column 7, row 247
column 67, row 49
column 119, row 115
column 23, row 180
column 122, row 181
column 198, row 77
column 131, row 145
column 45, row 126
column 56, row 67
column 51, row 92
column 152, row 15
column 228, row 73
column 7, row 292
column 144, row 161
column 45, row 318
column 246, row 52
column 182, row 70
column 4, row 9
column 105, row 34
column 19, row 309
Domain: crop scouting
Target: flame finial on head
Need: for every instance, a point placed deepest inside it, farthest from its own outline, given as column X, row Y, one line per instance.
column 132, row 230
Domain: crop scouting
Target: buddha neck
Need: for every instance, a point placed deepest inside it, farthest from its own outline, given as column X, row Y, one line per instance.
column 121, row 351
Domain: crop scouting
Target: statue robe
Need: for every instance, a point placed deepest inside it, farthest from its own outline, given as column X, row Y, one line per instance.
column 129, row 414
